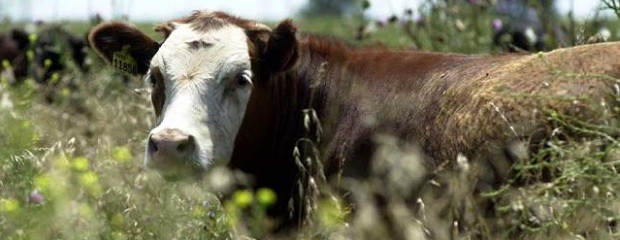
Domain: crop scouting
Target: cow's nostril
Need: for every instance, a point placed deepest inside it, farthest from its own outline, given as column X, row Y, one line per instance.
column 152, row 146
column 170, row 143
column 186, row 145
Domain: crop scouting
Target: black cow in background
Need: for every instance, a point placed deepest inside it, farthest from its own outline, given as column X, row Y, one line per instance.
column 13, row 47
column 41, row 54
column 50, row 48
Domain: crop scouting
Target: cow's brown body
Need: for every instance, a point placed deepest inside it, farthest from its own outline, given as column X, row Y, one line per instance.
column 446, row 103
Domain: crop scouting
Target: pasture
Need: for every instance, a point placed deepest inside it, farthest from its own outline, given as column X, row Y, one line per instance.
column 72, row 150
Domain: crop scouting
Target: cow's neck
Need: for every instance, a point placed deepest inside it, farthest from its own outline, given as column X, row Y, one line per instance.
column 327, row 74
column 274, row 119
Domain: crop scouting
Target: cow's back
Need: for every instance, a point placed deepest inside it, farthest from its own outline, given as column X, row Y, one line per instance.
column 516, row 98
column 474, row 105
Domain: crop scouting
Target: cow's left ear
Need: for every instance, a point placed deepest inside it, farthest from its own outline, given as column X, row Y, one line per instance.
column 277, row 49
column 126, row 47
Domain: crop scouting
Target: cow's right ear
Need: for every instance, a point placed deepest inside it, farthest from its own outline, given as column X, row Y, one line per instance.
column 124, row 46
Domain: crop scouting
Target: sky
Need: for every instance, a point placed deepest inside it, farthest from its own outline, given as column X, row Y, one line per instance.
column 160, row 10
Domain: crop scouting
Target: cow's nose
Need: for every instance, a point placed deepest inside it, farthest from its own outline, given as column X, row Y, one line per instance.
column 171, row 142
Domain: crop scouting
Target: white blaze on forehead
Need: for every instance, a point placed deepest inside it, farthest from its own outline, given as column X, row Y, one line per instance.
column 195, row 65
column 226, row 45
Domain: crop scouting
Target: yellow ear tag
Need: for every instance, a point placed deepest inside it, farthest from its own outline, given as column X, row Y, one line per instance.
column 124, row 62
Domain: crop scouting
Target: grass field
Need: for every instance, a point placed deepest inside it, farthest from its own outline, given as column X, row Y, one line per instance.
column 72, row 169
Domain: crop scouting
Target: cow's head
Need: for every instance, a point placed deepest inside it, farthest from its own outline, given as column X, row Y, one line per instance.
column 203, row 76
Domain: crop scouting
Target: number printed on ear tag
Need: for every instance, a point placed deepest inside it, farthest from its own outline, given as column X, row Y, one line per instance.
column 124, row 62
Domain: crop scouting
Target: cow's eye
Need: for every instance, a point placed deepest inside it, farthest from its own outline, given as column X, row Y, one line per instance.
column 151, row 80
column 244, row 79
column 155, row 78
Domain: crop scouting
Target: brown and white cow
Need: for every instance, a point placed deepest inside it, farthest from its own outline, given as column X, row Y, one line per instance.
column 232, row 90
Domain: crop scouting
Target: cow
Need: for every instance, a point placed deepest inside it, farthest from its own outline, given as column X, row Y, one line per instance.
column 235, row 91
column 13, row 46
column 41, row 54
column 51, row 43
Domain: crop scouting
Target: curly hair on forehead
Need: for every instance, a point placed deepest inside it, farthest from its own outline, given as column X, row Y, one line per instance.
column 205, row 21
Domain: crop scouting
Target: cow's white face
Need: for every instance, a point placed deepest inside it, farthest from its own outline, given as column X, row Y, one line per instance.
column 202, row 75
column 203, row 82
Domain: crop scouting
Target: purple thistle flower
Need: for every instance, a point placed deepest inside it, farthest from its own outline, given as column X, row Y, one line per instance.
column 381, row 23
column 420, row 20
column 497, row 24
column 36, row 198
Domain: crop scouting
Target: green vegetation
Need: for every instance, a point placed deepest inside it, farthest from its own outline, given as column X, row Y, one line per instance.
column 72, row 169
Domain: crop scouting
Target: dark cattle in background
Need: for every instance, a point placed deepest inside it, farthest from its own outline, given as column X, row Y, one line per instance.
column 522, row 28
column 448, row 104
column 57, row 46
column 50, row 50
column 13, row 47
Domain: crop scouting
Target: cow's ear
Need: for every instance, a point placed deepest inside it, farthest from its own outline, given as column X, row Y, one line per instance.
column 277, row 48
column 124, row 46
column 281, row 50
